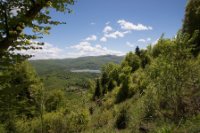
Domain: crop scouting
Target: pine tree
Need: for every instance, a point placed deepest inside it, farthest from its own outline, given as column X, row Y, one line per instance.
column 137, row 51
column 97, row 93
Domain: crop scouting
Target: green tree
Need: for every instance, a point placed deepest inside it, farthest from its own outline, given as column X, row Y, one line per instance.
column 131, row 60
column 17, row 94
column 145, row 58
column 15, row 16
column 162, row 46
column 137, row 51
column 125, row 78
column 109, row 77
column 174, row 76
column 97, row 92
column 191, row 24
column 54, row 100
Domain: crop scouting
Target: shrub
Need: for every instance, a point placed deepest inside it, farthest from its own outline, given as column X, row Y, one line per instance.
column 123, row 118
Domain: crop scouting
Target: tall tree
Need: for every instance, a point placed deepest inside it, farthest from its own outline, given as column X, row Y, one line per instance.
column 20, row 94
column 97, row 92
column 137, row 51
column 191, row 24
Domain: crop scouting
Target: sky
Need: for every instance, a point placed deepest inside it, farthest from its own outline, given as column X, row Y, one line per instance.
column 115, row 27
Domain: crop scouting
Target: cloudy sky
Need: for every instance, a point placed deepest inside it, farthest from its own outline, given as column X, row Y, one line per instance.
column 100, row 27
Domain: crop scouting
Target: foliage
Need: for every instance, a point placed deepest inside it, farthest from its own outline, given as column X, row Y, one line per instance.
column 54, row 100
column 132, row 60
column 98, row 90
column 123, row 118
column 191, row 24
column 15, row 16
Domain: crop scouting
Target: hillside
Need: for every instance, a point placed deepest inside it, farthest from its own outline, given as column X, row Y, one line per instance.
column 90, row 62
column 57, row 73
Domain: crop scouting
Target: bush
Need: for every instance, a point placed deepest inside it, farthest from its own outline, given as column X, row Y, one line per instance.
column 55, row 122
column 123, row 118
column 54, row 100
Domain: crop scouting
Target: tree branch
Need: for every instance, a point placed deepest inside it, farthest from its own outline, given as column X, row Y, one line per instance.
column 25, row 19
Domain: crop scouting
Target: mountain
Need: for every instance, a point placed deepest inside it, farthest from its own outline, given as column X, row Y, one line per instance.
column 90, row 62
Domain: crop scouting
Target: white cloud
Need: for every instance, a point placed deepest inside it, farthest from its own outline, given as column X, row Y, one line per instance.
column 115, row 34
column 103, row 39
column 48, row 51
column 107, row 29
column 141, row 40
column 83, row 48
column 144, row 40
column 130, row 45
column 87, row 49
column 125, row 25
column 91, row 38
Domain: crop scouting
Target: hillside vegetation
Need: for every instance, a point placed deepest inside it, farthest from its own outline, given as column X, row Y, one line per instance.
column 57, row 73
column 95, row 63
column 152, row 90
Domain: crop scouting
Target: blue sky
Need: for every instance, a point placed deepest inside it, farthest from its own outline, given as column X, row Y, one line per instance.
column 99, row 27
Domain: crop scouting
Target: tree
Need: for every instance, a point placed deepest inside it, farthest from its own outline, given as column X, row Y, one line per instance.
column 132, row 60
column 104, row 82
column 109, row 76
column 54, row 100
column 97, row 92
column 18, row 94
column 124, row 92
column 137, row 51
column 16, row 15
column 191, row 24
column 174, row 77
column 192, row 17
column 145, row 58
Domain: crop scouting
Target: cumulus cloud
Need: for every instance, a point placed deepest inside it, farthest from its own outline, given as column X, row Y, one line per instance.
column 87, row 49
column 103, row 39
column 110, row 33
column 48, row 51
column 141, row 40
column 107, row 29
column 125, row 25
column 116, row 34
column 83, row 48
column 91, row 38
column 144, row 40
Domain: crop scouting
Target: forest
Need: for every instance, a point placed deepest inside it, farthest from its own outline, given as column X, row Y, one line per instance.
column 151, row 90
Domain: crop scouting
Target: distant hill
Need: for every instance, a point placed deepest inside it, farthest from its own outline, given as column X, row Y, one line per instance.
column 90, row 62
column 56, row 73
